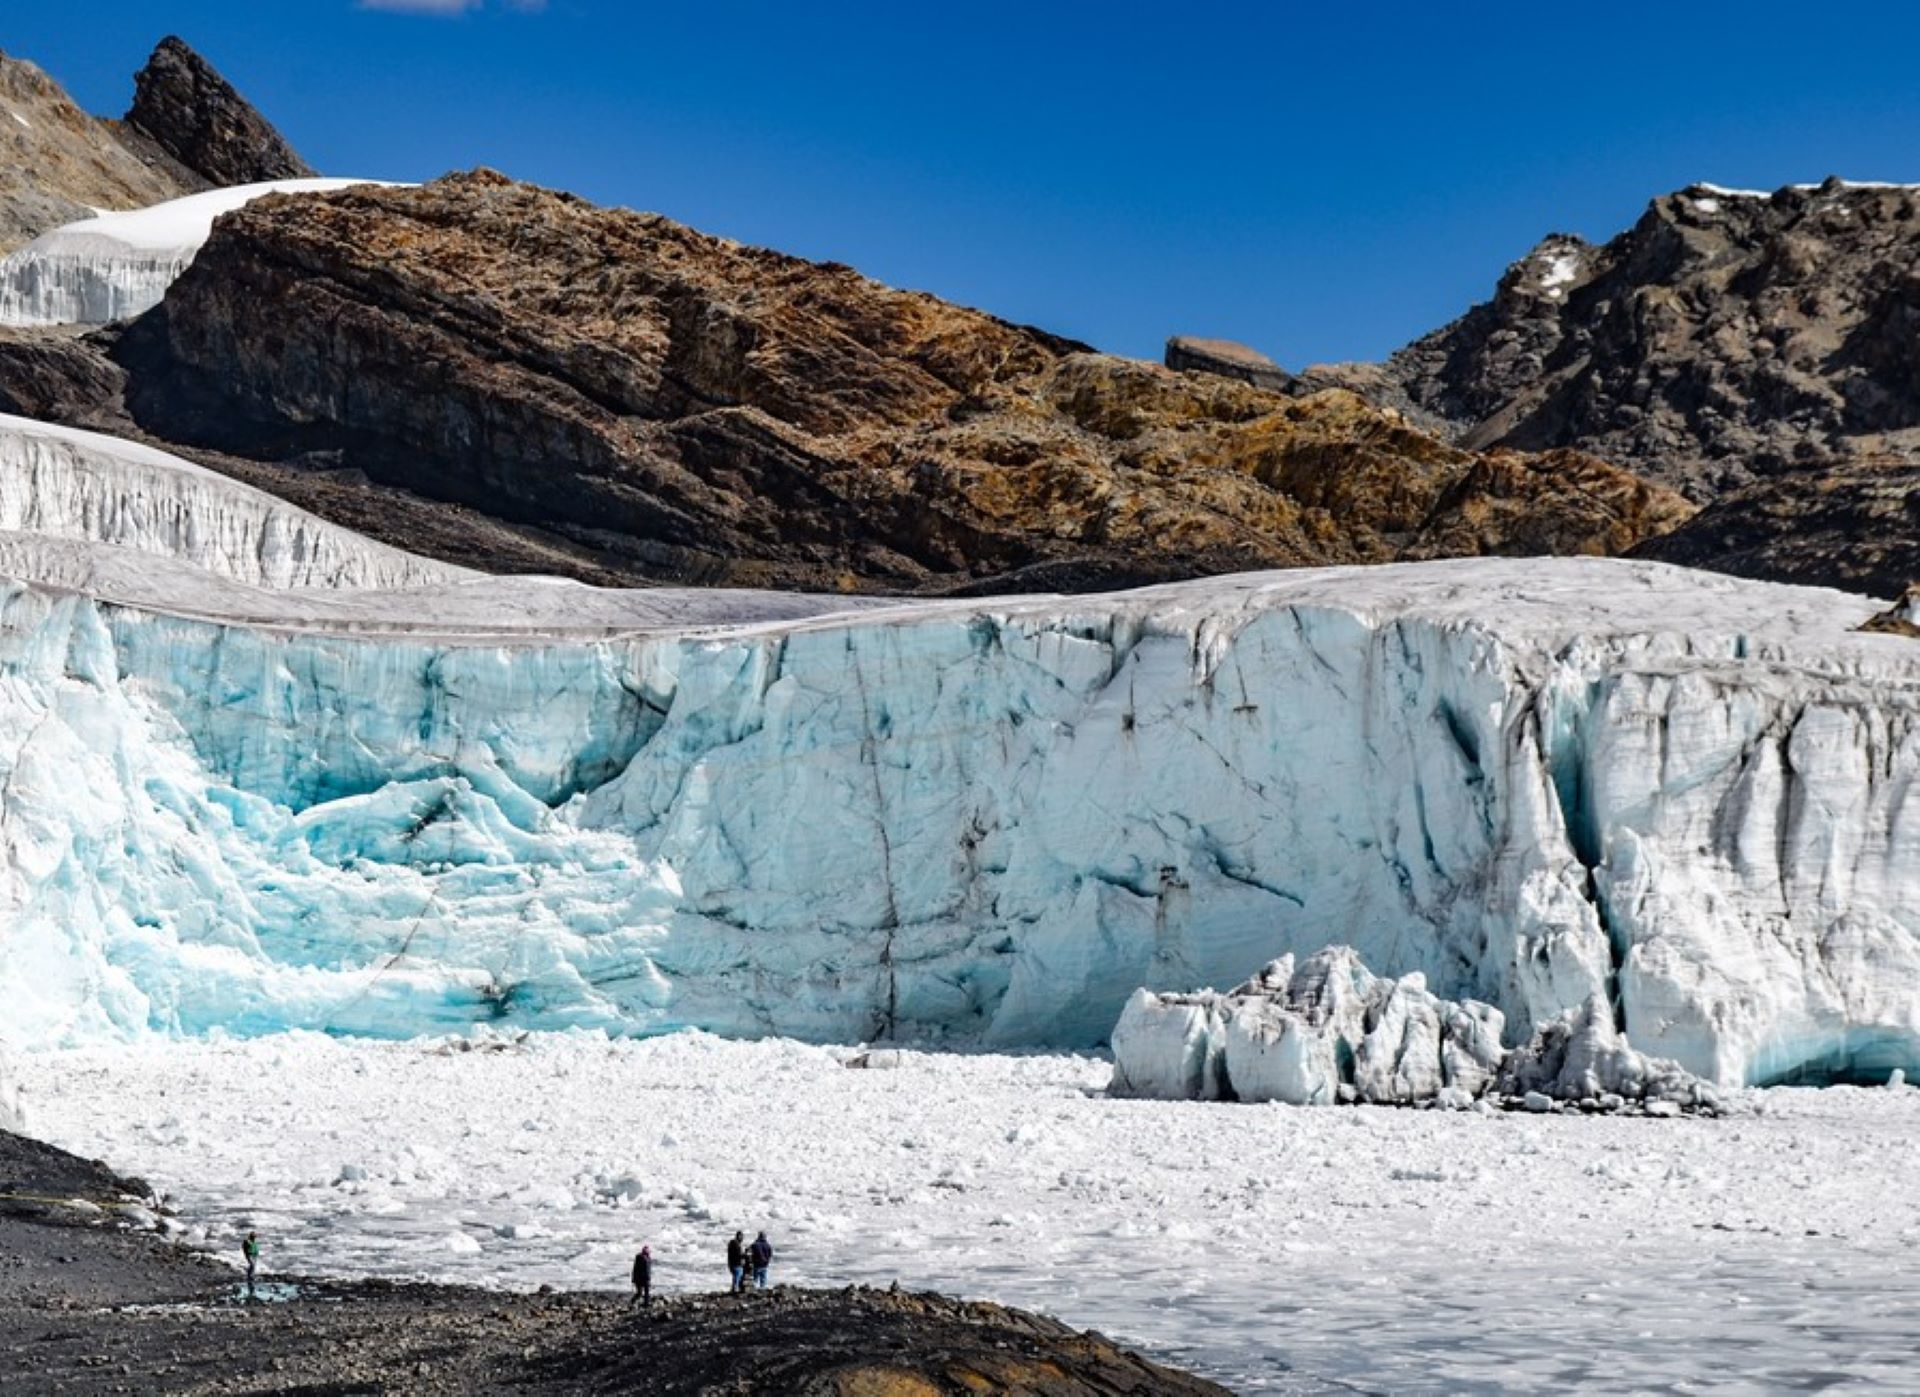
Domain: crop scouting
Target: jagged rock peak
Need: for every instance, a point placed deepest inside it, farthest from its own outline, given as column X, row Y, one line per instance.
column 184, row 106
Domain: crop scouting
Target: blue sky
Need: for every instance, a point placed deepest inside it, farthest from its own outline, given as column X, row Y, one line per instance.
column 1320, row 181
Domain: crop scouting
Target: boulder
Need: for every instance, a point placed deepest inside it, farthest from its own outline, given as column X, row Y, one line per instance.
column 1224, row 358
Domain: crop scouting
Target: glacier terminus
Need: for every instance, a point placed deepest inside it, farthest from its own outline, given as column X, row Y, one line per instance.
column 259, row 773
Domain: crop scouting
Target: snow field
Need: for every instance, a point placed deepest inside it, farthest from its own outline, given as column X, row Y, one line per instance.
column 116, row 265
column 1277, row 1249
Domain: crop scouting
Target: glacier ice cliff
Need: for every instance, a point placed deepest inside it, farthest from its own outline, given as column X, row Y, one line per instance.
column 114, row 266
column 60, row 483
column 391, row 803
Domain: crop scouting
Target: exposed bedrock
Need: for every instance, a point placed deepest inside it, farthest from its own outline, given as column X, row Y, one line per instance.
column 693, row 410
column 183, row 105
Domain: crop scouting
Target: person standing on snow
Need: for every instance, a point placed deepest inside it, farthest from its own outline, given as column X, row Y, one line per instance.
column 643, row 1277
column 761, row 1254
column 250, row 1249
column 737, row 1262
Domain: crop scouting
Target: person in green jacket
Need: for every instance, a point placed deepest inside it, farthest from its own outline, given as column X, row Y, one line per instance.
column 251, row 1250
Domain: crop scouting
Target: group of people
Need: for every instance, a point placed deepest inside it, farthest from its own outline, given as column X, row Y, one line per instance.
column 746, row 1261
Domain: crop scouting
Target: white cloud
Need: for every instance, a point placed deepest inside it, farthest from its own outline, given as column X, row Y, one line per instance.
column 447, row 7
column 422, row 7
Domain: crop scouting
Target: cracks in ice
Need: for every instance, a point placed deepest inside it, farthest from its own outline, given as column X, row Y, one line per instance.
column 890, row 922
column 1563, row 743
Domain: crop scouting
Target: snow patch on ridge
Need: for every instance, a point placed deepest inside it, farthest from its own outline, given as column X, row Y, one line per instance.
column 114, row 266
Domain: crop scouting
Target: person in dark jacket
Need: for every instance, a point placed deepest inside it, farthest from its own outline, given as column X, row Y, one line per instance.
column 737, row 1261
column 761, row 1255
column 250, row 1249
column 643, row 1277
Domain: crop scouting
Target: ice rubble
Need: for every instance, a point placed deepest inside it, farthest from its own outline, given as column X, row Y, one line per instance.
column 113, row 266
column 424, row 801
column 1331, row 1031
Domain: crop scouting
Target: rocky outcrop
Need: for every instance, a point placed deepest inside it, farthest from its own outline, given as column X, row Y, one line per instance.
column 1902, row 618
column 1190, row 354
column 56, row 376
column 183, row 105
column 689, row 409
column 1849, row 524
column 1725, row 337
column 1760, row 353
column 58, row 164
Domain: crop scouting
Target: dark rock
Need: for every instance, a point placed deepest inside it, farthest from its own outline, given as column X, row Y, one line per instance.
column 55, row 376
column 1719, row 340
column 1848, row 524
column 185, row 107
column 1760, row 353
column 1189, row 354
column 683, row 408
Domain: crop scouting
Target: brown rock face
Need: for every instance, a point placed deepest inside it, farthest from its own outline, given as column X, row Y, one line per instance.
column 54, row 376
column 58, row 164
column 183, row 105
column 690, row 409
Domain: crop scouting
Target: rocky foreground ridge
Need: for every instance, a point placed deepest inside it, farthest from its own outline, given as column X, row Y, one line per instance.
column 680, row 407
column 92, row 1300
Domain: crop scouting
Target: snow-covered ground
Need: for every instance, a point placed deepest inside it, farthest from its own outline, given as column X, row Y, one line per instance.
column 1277, row 1248
column 115, row 265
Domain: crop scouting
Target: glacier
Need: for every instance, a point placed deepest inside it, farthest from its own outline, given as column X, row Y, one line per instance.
column 258, row 775
column 117, row 265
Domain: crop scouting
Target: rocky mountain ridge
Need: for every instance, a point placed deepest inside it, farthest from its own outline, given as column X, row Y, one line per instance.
column 188, row 130
column 1758, row 352
column 684, row 408
column 58, row 164
column 183, row 105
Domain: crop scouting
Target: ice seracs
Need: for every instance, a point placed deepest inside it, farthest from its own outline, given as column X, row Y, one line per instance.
column 63, row 484
column 1330, row 1031
column 114, row 266
column 395, row 804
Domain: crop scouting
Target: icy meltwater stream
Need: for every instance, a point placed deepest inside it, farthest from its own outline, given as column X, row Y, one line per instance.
column 1275, row 1249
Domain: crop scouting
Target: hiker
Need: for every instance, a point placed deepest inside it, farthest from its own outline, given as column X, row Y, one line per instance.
column 761, row 1254
column 737, row 1262
column 250, row 1249
column 643, row 1277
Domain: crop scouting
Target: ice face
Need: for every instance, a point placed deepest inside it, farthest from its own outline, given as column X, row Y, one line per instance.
column 390, row 809
column 59, row 483
column 114, row 266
